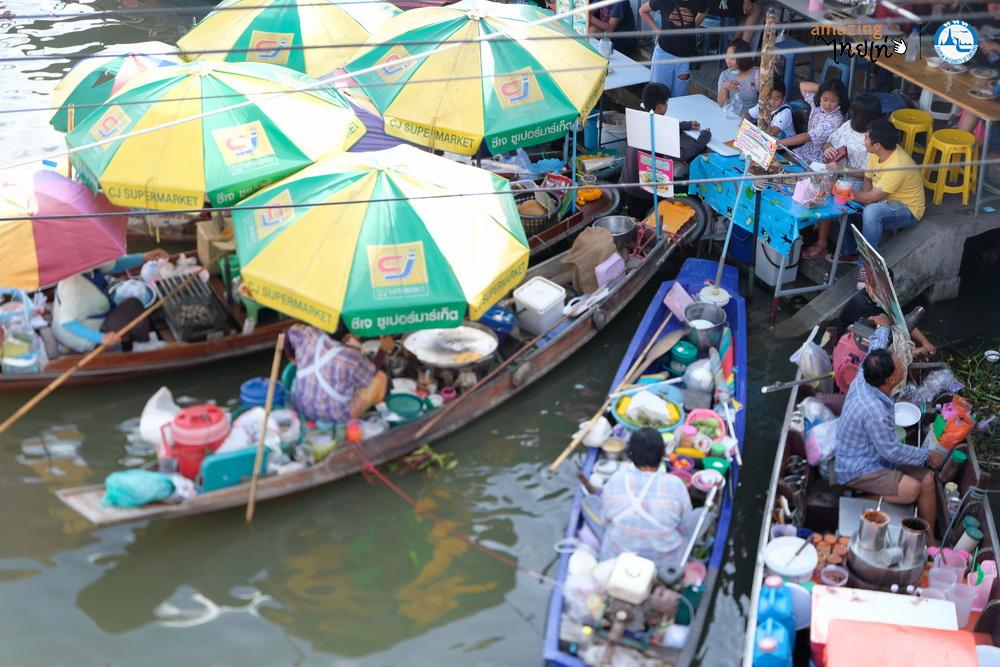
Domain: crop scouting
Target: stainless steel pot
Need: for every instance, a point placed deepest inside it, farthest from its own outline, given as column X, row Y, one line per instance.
column 705, row 337
column 623, row 230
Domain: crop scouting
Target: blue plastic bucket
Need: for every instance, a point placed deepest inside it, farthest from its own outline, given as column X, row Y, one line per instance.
column 500, row 320
column 253, row 393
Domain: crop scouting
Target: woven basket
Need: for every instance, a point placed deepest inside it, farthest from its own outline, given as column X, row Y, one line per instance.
column 535, row 224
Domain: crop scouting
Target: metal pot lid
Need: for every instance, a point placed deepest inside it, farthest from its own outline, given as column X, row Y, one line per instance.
column 461, row 346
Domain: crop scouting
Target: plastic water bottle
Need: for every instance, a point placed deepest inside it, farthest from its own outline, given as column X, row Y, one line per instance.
column 776, row 604
column 913, row 46
column 953, row 500
column 772, row 646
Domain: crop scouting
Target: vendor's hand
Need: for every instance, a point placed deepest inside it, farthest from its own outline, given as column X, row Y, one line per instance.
column 830, row 153
column 111, row 339
column 732, row 85
column 155, row 255
column 386, row 343
column 935, row 459
column 925, row 351
column 881, row 320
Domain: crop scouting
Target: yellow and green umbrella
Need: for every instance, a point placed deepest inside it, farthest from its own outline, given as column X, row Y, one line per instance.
column 390, row 241
column 215, row 145
column 274, row 32
column 92, row 81
column 514, row 90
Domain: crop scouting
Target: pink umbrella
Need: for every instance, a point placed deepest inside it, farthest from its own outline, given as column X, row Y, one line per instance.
column 39, row 247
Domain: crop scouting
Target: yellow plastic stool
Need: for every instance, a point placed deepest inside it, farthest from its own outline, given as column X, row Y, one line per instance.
column 949, row 145
column 912, row 122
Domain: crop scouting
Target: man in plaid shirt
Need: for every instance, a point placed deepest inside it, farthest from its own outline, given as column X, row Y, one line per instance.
column 334, row 381
column 869, row 456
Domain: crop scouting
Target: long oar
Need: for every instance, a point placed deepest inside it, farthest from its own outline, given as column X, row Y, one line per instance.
column 55, row 384
column 626, row 381
column 275, row 365
column 778, row 386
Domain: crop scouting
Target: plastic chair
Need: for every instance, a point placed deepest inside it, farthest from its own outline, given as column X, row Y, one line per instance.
column 912, row 122
column 948, row 145
column 844, row 68
column 790, row 59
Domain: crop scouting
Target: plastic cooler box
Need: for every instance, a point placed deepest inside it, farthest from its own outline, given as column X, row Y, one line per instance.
column 539, row 305
column 219, row 471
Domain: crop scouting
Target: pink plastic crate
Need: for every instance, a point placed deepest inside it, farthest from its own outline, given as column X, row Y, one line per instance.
column 609, row 269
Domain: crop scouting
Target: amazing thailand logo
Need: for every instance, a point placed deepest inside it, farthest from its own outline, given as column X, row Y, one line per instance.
column 956, row 42
column 518, row 89
column 398, row 270
column 111, row 124
column 269, row 47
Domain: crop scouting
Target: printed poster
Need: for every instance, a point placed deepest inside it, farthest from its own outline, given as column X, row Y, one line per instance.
column 756, row 143
column 581, row 20
column 664, row 174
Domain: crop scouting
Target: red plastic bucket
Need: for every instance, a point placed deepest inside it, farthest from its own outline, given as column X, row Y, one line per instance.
column 195, row 432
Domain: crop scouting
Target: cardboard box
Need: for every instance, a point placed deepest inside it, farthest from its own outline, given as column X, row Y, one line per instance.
column 215, row 241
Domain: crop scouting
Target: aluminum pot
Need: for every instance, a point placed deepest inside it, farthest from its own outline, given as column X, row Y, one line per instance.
column 706, row 336
column 623, row 231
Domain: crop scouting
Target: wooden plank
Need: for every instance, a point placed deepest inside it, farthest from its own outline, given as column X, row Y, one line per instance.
column 951, row 87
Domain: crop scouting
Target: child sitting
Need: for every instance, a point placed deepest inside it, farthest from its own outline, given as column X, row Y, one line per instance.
column 829, row 105
column 782, row 124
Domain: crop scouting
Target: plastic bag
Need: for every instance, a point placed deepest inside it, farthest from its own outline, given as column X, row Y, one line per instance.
column 821, row 442
column 160, row 409
column 815, row 412
column 959, row 425
column 647, row 407
column 937, row 383
column 135, row 488
column 813, row 361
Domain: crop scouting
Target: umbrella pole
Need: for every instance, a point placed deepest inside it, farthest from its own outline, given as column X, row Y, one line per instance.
column 70, row 121
column 23, row 410
column 268, row 402
column 655, row 180
column 576, row 125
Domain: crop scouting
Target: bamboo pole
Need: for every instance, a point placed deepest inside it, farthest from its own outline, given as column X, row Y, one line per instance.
column 55, row 384
column 767, row 72
column 627, row 380
column 70, row 122
column 275, row 365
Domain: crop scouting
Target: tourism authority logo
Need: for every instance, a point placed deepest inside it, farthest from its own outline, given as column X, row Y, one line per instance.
column 956, row 42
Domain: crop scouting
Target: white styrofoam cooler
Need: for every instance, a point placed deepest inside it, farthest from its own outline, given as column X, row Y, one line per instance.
column 768, row 261
column 539, row 304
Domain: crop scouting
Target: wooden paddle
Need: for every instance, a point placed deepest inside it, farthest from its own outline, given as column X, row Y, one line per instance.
column 626, row 381
column 268, row 401
column 55, row 384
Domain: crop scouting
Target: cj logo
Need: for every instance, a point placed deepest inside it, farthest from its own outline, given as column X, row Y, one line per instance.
column 112, row 123
column 279, row 211
column 517, row 89
column 269, row 47
column 242, row 145
column 394, row 64
column 396, row 267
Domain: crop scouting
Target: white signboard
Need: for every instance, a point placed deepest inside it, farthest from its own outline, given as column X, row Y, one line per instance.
column 756, row 143
column 667, row 132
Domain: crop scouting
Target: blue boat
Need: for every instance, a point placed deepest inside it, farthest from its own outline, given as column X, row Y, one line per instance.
column 564, row 650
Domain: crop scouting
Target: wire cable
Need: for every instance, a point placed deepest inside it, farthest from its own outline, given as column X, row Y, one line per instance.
column 755, row 178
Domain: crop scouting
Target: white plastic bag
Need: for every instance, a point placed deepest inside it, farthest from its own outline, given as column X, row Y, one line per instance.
column 815, row 412
column 160, row 409
column 821, row 442
column 647, row 407
column 813, row 361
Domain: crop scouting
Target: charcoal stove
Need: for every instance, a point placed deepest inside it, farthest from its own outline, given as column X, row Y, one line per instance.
column 194, row 313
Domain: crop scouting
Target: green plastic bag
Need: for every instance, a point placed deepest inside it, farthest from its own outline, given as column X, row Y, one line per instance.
column 135, row 488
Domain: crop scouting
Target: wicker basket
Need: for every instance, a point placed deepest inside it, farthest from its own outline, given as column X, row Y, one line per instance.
column 535, row 224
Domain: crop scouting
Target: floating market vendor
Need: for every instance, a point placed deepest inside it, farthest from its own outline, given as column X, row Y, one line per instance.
column 334, row 381
column 654, row 98
column 869, row 456
column 863, row 306
column 642, row 508
column 84, row 315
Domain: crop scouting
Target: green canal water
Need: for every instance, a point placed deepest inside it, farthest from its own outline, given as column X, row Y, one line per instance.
column 342, row 575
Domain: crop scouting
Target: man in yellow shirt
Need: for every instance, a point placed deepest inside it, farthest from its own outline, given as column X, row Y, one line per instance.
column 893, row 192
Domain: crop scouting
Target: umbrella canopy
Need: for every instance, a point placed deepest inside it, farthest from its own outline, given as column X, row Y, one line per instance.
column 507, row 92
column 402, row 240
column 40, row 251
column 94, row 80
column 274, row 32
column 207, row 153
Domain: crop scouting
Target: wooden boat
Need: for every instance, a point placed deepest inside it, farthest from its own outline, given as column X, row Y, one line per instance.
column 822, row 514
column 113, row 366
column 532, row 365
column 559, row 646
